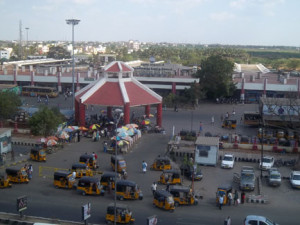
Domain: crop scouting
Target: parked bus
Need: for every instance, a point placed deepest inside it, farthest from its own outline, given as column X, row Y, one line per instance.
column 34, row 91
column 252, row 118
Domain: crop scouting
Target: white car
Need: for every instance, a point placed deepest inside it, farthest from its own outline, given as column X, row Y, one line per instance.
column 267, row 163
column 295, row 179
column 227, row 161
column 259, row 220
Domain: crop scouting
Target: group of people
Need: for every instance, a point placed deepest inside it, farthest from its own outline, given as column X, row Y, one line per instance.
column 232, row 198
column 39, row 100
column 29, row 170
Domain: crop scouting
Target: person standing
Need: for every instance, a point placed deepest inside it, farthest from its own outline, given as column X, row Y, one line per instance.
column 144, row 167
column 105, row 146
column 227, row 115
column 153, row 187
column 233, row 112
column 236, row 197
column 243, row 196
column 200, row 128
column 221, row 199
column 229, row 196
column 30, row 171
column 212, row 120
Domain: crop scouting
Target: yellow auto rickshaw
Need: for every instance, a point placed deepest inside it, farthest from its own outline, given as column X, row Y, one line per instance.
column 108, row 180
column 38, row 154
column 164, row 200
column 229, row 123
column 4, row 181
column 161, row 163
column 64, row 179
column 89, row 160
column 121, row 163
column 223, row 191
column 170, row 177
column 90, row 186
column 82, row 170
column 123, row 214
column 128, row 190
column 17, row 175
column 183, row 195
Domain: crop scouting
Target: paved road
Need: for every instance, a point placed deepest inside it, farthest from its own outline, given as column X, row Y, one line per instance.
column 46, row 201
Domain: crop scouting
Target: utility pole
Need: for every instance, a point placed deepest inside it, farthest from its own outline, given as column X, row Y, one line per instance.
column 73, row 22
column 20, row 55
column 27, row 28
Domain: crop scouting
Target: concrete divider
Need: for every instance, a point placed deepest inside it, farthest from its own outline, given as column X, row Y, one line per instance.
column 263, row 199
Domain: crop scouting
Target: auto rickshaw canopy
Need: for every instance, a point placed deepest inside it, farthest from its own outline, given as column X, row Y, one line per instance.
column 180, row 188
column 162, row 194
column 126, row 183
column 78, row 166
column 119, row 207
column 163, row 159
column 12, row 171
column 85, row 157
column 175, row 173
column 60, row 174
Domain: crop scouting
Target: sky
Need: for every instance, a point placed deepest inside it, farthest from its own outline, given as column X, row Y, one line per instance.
column 229, row 22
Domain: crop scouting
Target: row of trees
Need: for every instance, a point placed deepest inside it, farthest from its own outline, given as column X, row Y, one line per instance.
column 44, row 122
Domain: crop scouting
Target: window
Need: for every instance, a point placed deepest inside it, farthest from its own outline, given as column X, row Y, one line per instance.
column 252, row 222
column 203, row 153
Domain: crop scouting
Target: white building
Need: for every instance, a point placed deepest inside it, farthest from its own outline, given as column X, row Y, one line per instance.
column 4, row 54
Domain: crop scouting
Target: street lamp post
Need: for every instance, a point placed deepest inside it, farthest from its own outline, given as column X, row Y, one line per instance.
column 116, row 170
column 27, row 28
column 73, row 22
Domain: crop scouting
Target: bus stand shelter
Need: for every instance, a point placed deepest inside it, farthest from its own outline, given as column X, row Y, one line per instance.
column 118, row 88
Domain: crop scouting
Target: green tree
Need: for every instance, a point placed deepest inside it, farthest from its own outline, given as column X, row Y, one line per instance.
column 293, row 64
column 216, row 76
column 58, row 52
column 9, row 103
column 45, row 121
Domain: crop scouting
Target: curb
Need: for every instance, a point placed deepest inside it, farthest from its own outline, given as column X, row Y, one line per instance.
column 13, row 163
column 261, row 199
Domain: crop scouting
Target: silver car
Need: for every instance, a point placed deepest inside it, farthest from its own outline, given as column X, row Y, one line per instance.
column 274, row 178
column 261, row 220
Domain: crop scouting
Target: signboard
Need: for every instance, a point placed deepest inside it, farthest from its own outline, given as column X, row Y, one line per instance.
column 86, row 211
column 152, row 220
column 21, row 203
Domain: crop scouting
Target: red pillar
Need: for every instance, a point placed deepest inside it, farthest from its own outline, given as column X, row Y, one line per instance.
column 59, row 82
column 174, row 88
column 295, row 149
column 109, row 112
column 16, row 127
column 254, row 147
column 81, row 114
column 147, row 111
column 126, row 113
column 15, row 75
column 159, row 115
column 31, row 78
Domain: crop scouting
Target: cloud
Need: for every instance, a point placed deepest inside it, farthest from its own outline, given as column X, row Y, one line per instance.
column 47, row 8
column 222, row 16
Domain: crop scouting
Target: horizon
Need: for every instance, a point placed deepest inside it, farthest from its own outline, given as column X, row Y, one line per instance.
column 197, row 22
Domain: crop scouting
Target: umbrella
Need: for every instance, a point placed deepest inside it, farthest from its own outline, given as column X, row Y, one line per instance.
column 94, row 126
column 118, row 110
column 132, row 125
column 121, row 130
column 64, row 135
column 73, row 127
column 122, row 134
column 124, row 127
column 130, row 132
column 52, row 138
column 151, row 115
column 42, row 140
column 116, row 138
column 83, row 128
column 68, row 129
column 103, row 111
column 127, row 138
column 51, row 142
column 146, row 122
column 122, row 142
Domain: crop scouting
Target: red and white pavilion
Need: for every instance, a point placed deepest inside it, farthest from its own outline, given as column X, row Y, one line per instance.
column 118, row 88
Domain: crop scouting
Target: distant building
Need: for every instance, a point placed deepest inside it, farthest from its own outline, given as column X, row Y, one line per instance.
column 4, row 54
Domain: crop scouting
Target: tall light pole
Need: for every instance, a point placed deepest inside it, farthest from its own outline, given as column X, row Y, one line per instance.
column 73, row 22
column 116, row 170
column 27, row 28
